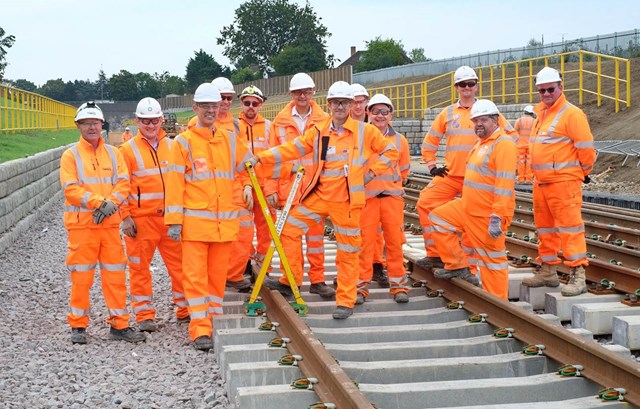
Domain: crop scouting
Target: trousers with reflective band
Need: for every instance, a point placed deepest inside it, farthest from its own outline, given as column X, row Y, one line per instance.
column 242, row 247
column 205, row 267
column 386, row 212
column 152, row 235
column 523, row 126
column 346, row 223
column 557, row 211
column 88, row 248
column 487, row 253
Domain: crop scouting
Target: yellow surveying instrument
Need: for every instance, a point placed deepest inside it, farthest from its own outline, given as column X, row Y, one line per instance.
column 253, row 306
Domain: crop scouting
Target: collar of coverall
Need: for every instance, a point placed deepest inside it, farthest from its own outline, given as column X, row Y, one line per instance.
column 541, row 106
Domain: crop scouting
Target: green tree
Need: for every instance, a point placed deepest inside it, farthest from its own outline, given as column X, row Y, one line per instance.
column 300, row 58
column 54, row 89
column 263, row 28
column 244, row 75
column 174, row 85
column 381, row 54
column 147, row 85
column 417, row 55
column 102, row 86
column 24, row 85
column 123, row 86
column 6, row 42
column 203, row 68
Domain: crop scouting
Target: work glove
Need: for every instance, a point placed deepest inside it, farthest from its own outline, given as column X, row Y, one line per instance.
column 439, row 171
column 369, row 176
column 495, row 230
column 107, row 207
column 272, row 200
column 586, row 179
column 129, row 227
column 174, row 232
column 254, row 160
column 98, row 216
column 247, row 196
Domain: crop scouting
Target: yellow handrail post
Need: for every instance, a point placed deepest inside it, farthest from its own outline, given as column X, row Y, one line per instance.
column 491, row 83
column 517, row 82
column 530, row 80
column 628, row 83
column 617, row 85
column 453, row 90
column 425, row 100
column 599, row 81
column 580, row 75
column 504, row 83
column 480, row 71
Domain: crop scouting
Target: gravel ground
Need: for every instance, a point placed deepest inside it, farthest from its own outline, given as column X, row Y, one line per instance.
column 40, row 368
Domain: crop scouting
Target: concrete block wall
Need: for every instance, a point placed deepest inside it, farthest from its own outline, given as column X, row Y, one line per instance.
column 27, row 187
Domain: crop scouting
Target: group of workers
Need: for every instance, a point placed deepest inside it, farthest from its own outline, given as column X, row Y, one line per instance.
column 192, row 199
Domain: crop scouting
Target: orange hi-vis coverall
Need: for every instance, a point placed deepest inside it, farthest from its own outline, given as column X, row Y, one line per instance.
column 489, row 183
column 523, row 127
column 89, row 176
column 384, row 207
column 284, row 129
column 454, row 124
column 335, row 189
column 562, row 154
column 200, row 184
column 126, row 136
column 148, row 166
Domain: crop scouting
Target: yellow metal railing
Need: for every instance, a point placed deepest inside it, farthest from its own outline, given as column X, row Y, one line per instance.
column 22, row 110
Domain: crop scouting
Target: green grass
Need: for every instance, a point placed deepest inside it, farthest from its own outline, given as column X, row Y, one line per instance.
column 24, row 143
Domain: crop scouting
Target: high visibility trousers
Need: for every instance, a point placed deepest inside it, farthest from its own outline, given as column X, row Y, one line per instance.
column 241, row 248
column 262, row 230
column 346, row 223
column 524, row 165
column 378, row 250
column 87, row 247
column 439, row 191
column 205, row 266
column 386, row 212
column 488, row 254
column 152, row 234
column 557, row 214
column 314, row 237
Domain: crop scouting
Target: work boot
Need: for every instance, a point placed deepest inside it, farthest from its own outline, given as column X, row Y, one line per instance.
column 248, row 270
column 546, row 276
column 577, row 283
column 462, row 273
column 278, row 286
column 429, row 263
column 78, row 335
column 127, row 334
column 401, row 298
column 241, row 285
column 322, row 289
column 203, row 343
column 147, row 326
column 360, row 299
column 342, row 313
column 380, row 276
column 182, row 320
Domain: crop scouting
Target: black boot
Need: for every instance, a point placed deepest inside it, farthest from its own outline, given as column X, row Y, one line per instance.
column 380, row 275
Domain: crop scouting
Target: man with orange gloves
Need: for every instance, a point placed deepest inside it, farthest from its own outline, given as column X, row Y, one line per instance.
column 523, row 127
column 300, row 115
column 485, row 209
column 147, row 158
column 562, row 156
column 384, row 207
column 205, row 161
column 454, row 124
column 95, row 182
column 126, row 135
column 340, row 147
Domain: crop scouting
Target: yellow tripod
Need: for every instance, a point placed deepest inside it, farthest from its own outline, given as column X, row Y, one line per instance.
column 253, row 307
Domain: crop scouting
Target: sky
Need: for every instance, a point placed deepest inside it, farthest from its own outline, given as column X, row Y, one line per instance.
column 73, row 39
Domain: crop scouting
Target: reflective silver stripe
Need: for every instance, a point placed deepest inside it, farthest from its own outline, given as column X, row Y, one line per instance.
column 505, row 175
column 178, row 295
column 211, row 215
column 557, row 165
column 173, row 209
column 490, row 254
column 297, row 223
column 114, row 165
column 576, row 256
column 79, row 311
column 572, row 229
column 315, row 238
column 503, row 192
column 435, row 134
column 550, row 140
column 583, row 145
column 359, row 161
column 198, row 176
column 440, row 222
column 198, row 314
column 352, row 232
column 141, row 298
column 260, row 144
column 116, row 311
column 224, row 175
column 347, row 248
column 357, row 188
column 314, row 216
column 112, row 267
column 477, row 185
column 149, row 172
column 134, row 260
column 301, row 149
column 547, row 230
column 451, row 132
column 549, row 259
column 81, row 267
column 176, row 168
column 337, row 158
column 76, row 209
column 428, row 146
column 459, row 148
column 140, row 308
column 232, row 153
column 552, row 128
column 332, row 172
column 315, row 250
column 69, row 183
column 492, row 266
column 138, row 156
column 215, row 310
column 85, row 199
column 213, row 298
column 283, row 134
column 119, row 197
column 194, row 302
column 147, row 196
column 180, row 303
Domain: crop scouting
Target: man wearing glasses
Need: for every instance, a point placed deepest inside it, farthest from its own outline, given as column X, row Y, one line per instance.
column 147, row 158
column 95, row 182
column 340, row 148
column 300, row 115
column 562, row 156
column 454, row 124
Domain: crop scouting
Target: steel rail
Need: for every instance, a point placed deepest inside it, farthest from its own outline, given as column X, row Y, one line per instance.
column 600, row 365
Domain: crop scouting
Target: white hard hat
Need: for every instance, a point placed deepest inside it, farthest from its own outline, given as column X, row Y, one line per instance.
column 301, row 81
column 207, row 92
column 528, row 109
column 252, row 91
column 89, row 110
column 464, row 73
column 547, row 75
column 359, row 90
column 224, row 85
column 148, row 108
column 127, row 129
column 380, row 99
column 340, row 89
column 483, row 107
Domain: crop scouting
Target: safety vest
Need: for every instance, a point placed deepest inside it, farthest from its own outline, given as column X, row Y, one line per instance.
column 523, row 127
column 561, row 144
column 389, row 183
column 89, row 176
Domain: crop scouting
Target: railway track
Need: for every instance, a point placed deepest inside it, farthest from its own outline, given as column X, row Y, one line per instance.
column 448, row 347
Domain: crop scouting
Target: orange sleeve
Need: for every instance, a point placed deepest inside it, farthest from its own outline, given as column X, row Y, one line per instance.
column 432, row 139
column 404, row 161
column 125, row 207
column 174, row 196
column 506, row 125
column 582, row 140
column 383, row 147
column 504, row 158
column 73, row 192
column 122, row 187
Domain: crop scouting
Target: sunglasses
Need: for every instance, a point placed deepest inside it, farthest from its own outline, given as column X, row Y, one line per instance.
column 230, row 98
column 299, row 92
column 254, row 104
column 147, row 121
column 467, row 84
column 549, row 90
column 380, row 112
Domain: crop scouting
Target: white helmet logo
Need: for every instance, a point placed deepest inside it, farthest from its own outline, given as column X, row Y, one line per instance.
column 149, row 109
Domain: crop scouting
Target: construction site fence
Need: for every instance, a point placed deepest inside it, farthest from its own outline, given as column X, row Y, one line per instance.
column 23, row 111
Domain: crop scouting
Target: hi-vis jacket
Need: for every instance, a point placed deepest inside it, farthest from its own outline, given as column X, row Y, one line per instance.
column 523, row 127
column 365, row 141
column 489, row 179
column 88, row 176
column 256, row 138
column 200, row 183
column 389, row 183
column 228, row 122
column 454, row 124
column 147, row 169
column 561, row 144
